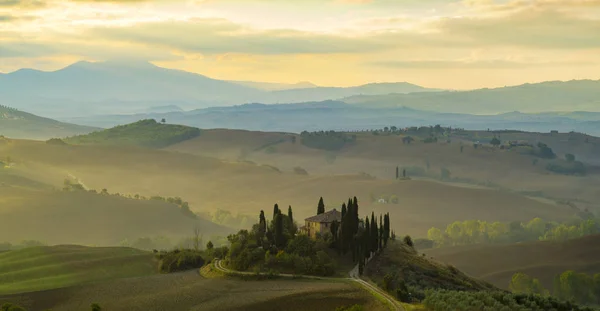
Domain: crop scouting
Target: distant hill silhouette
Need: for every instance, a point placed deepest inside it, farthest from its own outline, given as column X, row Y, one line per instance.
column 18, row 124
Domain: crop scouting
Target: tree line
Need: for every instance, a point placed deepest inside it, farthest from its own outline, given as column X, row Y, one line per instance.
column 477, row 231
column 570, row 285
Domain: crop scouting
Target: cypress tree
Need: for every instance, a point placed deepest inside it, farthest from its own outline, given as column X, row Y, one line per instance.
column 367, row 238
column 397, row 172
column 262, row 226
column 275, row 210
column 373, row 233
column 380, row 239
column 278, row 232
column 386, row 229
column 290, row 215
column 321, row 207
column 344, row 210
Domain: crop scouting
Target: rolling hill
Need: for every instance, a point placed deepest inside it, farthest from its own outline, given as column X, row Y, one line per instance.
column 338, row 115
column 209, row 184
column 542, row 259
column 50, row 267
column 19, row 124
column 378, row 155
column 538, row 97
column 145, row 133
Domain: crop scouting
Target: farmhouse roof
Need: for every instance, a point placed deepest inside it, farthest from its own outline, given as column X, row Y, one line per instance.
column 327, row 217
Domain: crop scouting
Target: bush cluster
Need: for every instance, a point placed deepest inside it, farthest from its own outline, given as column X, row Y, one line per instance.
column 179, row 260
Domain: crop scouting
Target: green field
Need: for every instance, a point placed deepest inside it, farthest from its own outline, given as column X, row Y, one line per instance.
column 41, row 268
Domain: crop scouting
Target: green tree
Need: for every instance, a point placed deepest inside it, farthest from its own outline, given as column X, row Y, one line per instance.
column 210, row 246
column 278, row 231
column 321, row 206
column 408, row 241
column 262, row 226
column 397, row 172
column 374, row 234
column 495, row 142
column 276, row 211
column 96, row 307
column 290, row 214
column 570, row 157
column 522, row 283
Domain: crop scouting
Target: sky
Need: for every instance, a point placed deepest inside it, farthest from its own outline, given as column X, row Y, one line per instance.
column 453, row 44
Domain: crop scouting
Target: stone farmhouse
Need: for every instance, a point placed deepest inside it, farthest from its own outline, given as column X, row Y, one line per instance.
column 320, row 224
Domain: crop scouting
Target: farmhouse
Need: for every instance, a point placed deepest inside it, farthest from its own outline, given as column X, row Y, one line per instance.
column 321, row 223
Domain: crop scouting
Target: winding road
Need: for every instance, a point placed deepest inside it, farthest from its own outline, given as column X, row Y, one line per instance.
column 353, row 277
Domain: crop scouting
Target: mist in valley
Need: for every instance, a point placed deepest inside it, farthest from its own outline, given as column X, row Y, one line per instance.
column 236, row 155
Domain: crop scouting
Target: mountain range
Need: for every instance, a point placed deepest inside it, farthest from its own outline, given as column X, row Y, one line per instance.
column 338, row 115
column 86, row 88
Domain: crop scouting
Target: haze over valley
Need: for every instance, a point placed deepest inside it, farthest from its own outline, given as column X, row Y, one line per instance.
column 271, row 155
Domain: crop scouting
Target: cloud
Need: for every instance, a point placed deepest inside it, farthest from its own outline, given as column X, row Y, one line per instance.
column 479, row 64
column 216, row 36
column 22, row 4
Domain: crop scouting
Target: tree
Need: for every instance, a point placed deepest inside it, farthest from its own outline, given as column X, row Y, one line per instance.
column 197, row 238
column 408, row 241
column 380, row 238
column 495, row 142
column 262, row 226
column 404, row 173
column 344, row 211
column 374, row 234
column 386, row 229
column 368, row 243
column 275, row 211
column 570, row 157
column 522, row 283
column 278, row 232
column 163, row 121
column 320, row 207
column 210, row 245
column 290, row 215
column 445, row 173
column 334, row 230
column 95, row 307
column 397, row 172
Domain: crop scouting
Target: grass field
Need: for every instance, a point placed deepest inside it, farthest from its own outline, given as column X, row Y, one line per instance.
column 42, row 268
column 542, row 260
column 379, row 156
column 190, row 291
column 209, row 184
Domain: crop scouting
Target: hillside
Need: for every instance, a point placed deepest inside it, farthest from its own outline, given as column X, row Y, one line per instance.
column 209, row 185
column 400, row 265
column 144, row 133
column 578, row 95
column 543, row 260
column 378, row 155
column 42, row 268
column 19, row 124
column 189, row 291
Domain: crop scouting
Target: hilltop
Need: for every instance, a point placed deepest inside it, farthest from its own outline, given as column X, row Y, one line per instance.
column 542, row 259
column 18, row 124
column 145, row 133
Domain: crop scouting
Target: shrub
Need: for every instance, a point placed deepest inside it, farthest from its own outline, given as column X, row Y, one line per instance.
column 96, row 307
column 300, row 171
column 408, row 241
column 179, row 260
column 567, row 168
column 55, row 141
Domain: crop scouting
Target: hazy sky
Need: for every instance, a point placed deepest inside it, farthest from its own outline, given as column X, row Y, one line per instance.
column 436, row 43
